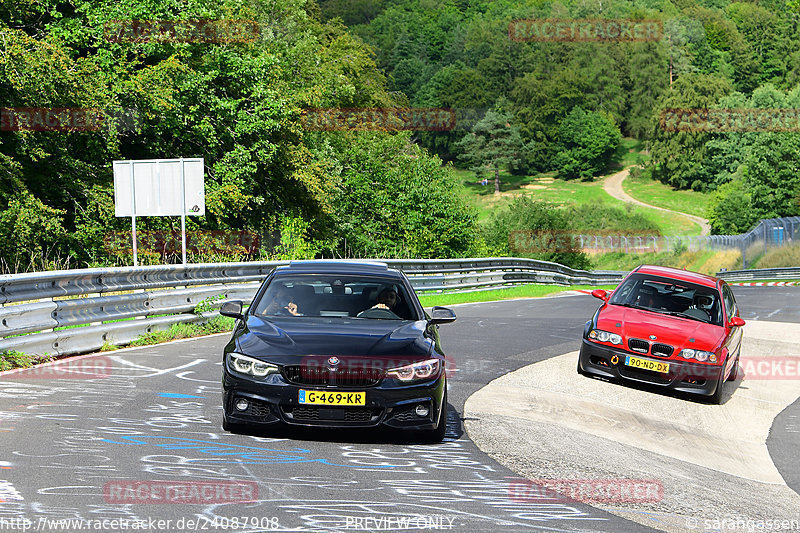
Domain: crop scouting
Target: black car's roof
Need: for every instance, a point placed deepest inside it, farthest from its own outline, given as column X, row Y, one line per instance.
column 333, row 266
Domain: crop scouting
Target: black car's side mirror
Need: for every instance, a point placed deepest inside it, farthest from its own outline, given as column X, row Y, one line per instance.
column 441, row 315
column 232, row 309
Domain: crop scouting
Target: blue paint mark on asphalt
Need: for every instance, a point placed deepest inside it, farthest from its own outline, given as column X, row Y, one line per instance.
column 245, row 454
column 176, row 395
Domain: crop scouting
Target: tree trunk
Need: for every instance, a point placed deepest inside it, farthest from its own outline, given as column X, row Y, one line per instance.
column 496, row 180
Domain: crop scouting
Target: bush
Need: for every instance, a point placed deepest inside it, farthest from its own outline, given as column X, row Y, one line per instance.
column 537, row 230
column 394, row 200
column 587, row 142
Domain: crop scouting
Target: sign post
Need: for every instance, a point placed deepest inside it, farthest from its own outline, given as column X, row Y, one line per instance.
column 159, row 187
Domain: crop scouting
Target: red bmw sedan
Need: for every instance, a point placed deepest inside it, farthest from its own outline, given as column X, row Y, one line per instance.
column 666, row 327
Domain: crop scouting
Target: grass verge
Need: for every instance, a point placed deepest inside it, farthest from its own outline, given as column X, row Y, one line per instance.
column 653, row 192
column 217, row 324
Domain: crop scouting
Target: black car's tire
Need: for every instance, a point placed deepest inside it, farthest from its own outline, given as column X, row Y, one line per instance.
column 716, row 398
column 437, row 435
column 735, row 370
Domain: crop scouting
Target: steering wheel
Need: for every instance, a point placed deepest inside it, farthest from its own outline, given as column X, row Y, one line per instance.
column 376, row 312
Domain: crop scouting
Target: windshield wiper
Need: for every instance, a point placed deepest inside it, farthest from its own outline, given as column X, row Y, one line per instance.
column 632, row 306
column 684, row 315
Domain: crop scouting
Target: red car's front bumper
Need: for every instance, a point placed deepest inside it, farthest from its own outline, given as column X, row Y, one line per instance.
column 695, row 378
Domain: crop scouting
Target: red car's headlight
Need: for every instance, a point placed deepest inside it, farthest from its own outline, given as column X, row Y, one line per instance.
column 700, row 355
column 605, row 336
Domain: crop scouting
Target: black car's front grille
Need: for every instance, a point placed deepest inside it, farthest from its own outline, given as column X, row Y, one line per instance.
column 318, row 375
column 662, row 350
column 638, row 345
column 346, row 414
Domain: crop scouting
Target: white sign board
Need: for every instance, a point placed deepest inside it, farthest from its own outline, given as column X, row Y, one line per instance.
column 152, row 187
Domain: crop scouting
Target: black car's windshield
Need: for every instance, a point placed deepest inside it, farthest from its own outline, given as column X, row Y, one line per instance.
column 669, row 297
column 352, row 296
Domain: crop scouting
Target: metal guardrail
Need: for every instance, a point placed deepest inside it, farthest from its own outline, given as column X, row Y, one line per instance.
column 760, row 273
column 77, row 311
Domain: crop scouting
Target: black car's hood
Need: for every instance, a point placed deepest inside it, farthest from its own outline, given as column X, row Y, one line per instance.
column 281, row 340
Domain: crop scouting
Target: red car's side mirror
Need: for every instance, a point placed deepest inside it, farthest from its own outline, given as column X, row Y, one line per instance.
column 601, row 294
column 737, row 322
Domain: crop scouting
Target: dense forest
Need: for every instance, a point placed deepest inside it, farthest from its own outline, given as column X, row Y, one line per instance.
column 238, row 102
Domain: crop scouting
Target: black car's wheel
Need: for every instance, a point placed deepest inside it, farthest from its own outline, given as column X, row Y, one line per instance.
column 437, row 435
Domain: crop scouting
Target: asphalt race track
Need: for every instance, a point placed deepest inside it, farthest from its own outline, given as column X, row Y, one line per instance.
column 76, row 451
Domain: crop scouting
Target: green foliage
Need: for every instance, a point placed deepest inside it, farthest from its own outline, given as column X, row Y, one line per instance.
column 295, row 242
column 218, row 324
column 30, row 232
column 731, row 211
column 670, row 162
column 492, row 145
column 586, row 142
column 206, row 305
column 395, row 200
column 538, row 230
column 772, row 175
column 13, row 359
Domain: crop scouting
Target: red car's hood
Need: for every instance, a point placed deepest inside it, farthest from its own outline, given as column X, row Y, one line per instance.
column 672, row 330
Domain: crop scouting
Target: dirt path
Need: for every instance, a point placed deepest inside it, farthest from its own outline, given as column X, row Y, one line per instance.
column 613, row 186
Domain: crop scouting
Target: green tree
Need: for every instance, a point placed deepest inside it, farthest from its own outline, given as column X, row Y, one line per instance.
column 772, row 175
column 493, row 144
column 538, row 230
column 395, row 200
column 730, row 210
column 677, row 156
column 586, row 142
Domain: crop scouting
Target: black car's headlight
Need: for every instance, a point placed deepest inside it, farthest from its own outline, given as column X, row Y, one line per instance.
column 416, row 371
column 605, row 336
column 253, row 367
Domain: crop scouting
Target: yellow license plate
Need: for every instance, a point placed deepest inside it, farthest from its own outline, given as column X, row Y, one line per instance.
column 646, row 364
column 312, row 397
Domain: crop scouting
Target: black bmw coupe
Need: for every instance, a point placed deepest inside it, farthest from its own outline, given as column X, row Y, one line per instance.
column 336, row 344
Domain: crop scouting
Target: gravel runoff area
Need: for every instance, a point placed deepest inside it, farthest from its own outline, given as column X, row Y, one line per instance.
column 545, row 421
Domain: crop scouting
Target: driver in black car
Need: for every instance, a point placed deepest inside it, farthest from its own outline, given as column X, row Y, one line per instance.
column 282, row 304
column 386, row 301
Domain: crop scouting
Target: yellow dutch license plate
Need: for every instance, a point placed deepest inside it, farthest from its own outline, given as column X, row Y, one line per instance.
column 312, row 397
column 646, row 364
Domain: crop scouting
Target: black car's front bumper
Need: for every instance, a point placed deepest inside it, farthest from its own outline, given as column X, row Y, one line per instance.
column 275, row 400
column 695, row 378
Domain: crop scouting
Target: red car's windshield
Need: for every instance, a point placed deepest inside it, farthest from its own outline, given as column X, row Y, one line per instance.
column 671, row 297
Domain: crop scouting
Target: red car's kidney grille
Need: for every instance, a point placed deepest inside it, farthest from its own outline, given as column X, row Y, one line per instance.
column 662, row 350
column 324, row 376
column 638, row 345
